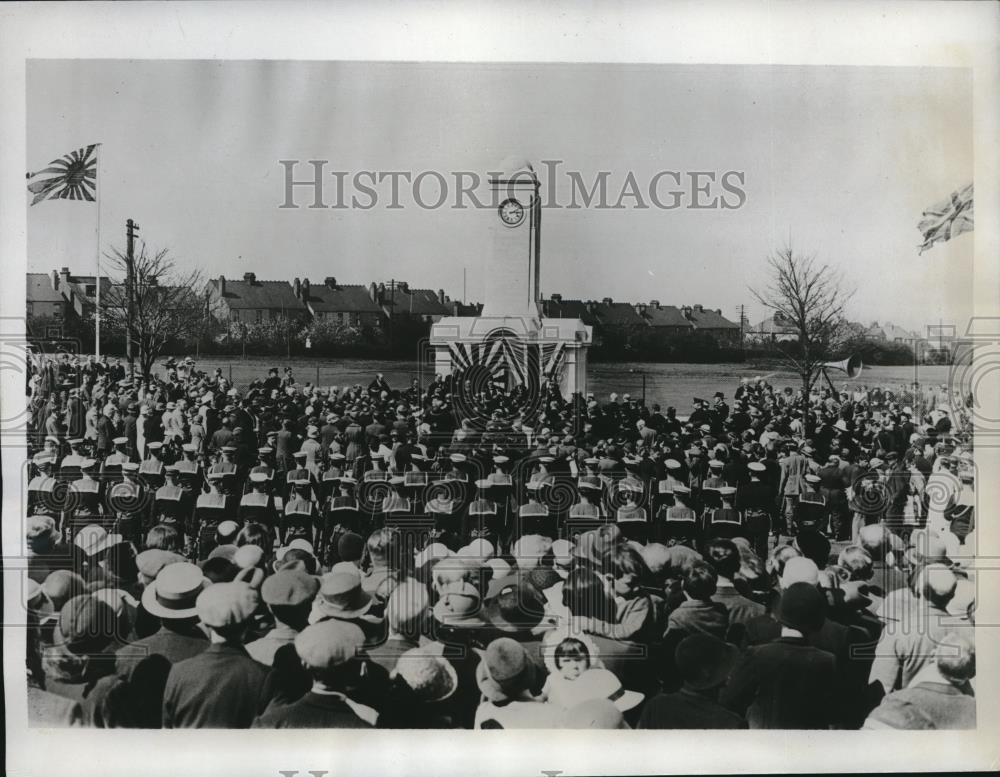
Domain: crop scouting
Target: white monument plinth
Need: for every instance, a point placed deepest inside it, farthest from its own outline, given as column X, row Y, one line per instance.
column 511, row 338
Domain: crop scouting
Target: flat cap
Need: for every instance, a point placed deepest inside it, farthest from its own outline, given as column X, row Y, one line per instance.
column 289, row 587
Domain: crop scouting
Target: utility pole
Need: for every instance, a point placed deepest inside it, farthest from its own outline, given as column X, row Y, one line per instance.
column 392, row 285
column 130, row 229
column 743, row 317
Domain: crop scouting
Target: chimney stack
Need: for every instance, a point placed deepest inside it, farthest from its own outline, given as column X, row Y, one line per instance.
column 305, row 289
column 64, row 275
column 654, row 303
column 297, row 288
column 607, row 301
column 222, row 285
column 699, row 309
column 441, row 297
column 372, row 292
column 55, row 280
column 250, row 277
column 331, row 282
column 640, row 308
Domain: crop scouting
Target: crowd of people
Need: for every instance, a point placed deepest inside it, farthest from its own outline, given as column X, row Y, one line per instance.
column 470, row 554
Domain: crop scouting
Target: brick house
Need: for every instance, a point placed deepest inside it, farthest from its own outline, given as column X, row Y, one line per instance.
column 253, row 301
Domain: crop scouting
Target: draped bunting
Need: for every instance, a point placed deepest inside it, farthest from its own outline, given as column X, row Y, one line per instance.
column 525, row 362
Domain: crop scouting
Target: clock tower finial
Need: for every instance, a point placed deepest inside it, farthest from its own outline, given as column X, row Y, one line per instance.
column 513, row 271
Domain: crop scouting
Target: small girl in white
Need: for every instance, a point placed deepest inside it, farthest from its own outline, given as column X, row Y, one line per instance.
column 566, row 660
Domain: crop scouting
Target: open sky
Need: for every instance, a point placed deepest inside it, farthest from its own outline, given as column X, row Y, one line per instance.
column 840, row 161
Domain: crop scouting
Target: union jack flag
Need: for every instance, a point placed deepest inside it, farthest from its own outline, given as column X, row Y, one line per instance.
column 72, row 177
column 948, row 218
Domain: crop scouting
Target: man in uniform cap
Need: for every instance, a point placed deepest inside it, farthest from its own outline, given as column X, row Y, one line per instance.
column 812, row 511
column 395, row 500
column 332, row 475
column 112, row 464
column 257, row 505
column 86, row 498
column 228, row 468
column 211, row 509
column 300, row 517
column 151, row 469
column 265, row 464
column 42, row 487
column 222, row 687
column 129, row 503
column 173, row 504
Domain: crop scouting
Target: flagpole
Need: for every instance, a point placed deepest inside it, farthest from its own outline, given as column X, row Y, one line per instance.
column 97, row 311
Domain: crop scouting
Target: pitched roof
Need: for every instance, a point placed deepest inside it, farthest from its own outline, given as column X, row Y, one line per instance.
column 620, row 314
column 40, row 288
column 341, row 299
column 666, row 315
column 775, row 325
column 709, row 319
column 893, row 332
column 568, row 308
column 417, row 302
column 77, row 286
column 243, row 294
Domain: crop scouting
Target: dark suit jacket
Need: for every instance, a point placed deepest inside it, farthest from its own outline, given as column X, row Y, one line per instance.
column 693, row 617
column 221, row 687
column 785, row 684
column 687, row 709
column 314, row 710
column 741, row 610
column 844, row 643
column 172, row 645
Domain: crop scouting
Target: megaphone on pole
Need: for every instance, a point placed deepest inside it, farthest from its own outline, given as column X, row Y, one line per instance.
column 851, row 365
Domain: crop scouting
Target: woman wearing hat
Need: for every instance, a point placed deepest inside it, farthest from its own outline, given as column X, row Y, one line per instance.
column 83, row 647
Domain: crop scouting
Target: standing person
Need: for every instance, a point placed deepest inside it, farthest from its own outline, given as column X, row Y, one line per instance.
column 787, row 684
column 704, row 664
column 833, row 486
column 940, row 693
column 908, row 641
column 288, row 595
column 792, row 483
column 222, row 686
column 329, row 651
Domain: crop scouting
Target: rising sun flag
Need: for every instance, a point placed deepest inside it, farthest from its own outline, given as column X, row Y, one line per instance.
column 71, row 177
column 947, row 219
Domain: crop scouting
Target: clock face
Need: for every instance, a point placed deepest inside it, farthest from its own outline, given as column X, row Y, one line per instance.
column 511, row 212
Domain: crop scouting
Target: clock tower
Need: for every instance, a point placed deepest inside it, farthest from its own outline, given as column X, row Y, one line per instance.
column 512, row 265
column 511, row 342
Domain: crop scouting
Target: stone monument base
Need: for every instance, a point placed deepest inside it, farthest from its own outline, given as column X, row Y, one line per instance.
column 520, row 349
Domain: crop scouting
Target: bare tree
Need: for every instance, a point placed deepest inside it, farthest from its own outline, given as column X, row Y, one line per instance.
column 166, row 305
column 811, row 297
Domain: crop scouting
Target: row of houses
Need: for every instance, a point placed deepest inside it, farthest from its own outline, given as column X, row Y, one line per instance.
column 666, row 321
column 251, row 300
column 776, row 328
